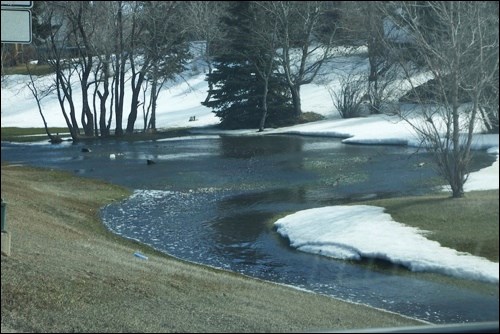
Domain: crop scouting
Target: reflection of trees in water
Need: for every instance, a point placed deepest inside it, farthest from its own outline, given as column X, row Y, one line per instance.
column 264, row 156
column 237, row 237
column 248, row 147
column 262, row 199
column 242, row 218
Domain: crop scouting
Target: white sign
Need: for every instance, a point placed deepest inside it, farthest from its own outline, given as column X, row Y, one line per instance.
column 16, row 25
column 23, row 4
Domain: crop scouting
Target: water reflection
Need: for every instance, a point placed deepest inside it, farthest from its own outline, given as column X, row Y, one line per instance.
column 240, row 147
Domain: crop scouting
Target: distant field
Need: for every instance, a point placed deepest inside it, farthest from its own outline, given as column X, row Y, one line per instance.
column 16, row 134
column 22, row 69
column 28, row 134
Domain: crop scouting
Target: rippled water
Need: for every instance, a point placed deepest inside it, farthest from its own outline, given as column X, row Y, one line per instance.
column 213, row 200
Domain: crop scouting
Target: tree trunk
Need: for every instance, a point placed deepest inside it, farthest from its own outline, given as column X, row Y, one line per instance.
column 87, row 116
column 154, row 98
column 119, row 74
column 295, row 91
column 102, row 118
column 132, row 117
column 264, row 106
column 210, row 84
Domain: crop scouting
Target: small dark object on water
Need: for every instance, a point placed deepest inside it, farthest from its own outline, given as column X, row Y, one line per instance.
column 85, row 149
column 150, row 162
column 55, row 139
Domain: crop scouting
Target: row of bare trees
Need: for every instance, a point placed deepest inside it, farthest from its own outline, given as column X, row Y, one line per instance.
column 109, row 49
column 94, row 44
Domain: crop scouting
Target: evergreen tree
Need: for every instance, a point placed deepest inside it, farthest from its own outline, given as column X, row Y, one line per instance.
column 236, row 97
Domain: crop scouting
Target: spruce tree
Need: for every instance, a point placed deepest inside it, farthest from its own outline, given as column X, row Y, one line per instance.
column 236, row 97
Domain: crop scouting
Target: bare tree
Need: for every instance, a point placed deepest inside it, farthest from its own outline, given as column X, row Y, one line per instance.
column 380, row 59
column 202, row 19
column 367, row 22
column 119, row 66
column 69, row 50
column 306, row 37
column 348, row 98
column 157, row 51
column 57, row 45
column 264, row 37
column 166, row 46
column 460, row 52
column 103, row 46
column 80, row 16
column 39, row 95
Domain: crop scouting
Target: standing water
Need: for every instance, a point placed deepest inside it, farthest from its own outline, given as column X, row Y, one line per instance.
column 213, row 200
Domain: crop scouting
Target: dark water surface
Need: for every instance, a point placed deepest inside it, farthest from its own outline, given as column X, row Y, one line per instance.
column 213, row 200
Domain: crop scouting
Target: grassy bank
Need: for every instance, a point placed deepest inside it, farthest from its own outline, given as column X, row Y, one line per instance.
column 67, row 273
column 468, row 224
column 28, row 134
column 25, row 135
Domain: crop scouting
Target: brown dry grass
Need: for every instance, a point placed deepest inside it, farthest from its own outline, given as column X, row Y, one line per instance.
column 67, row 273
column 468, row 224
